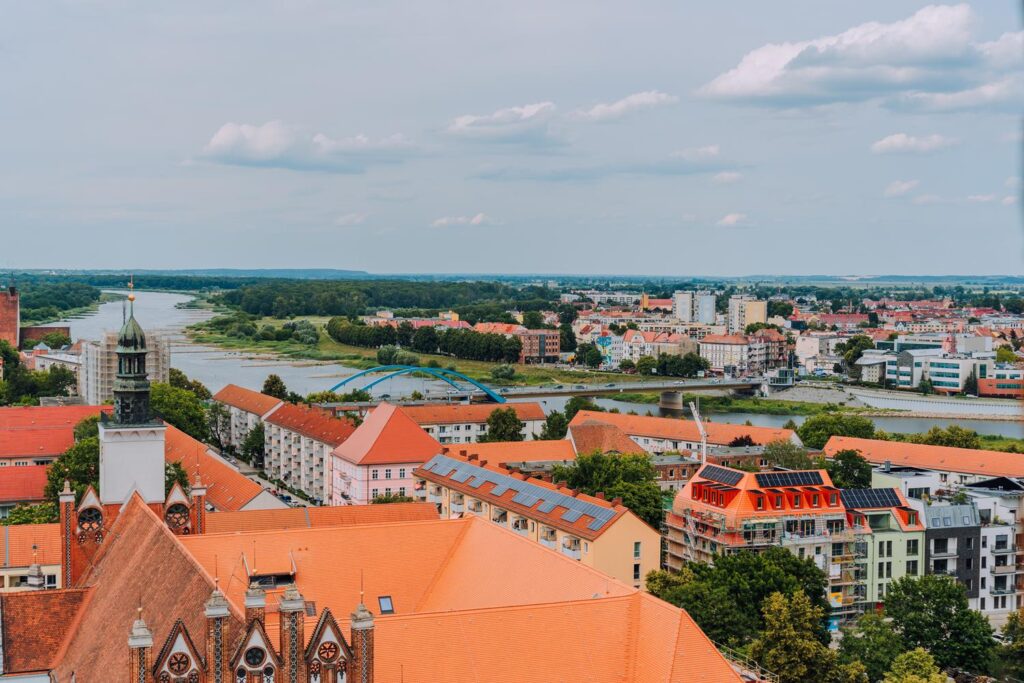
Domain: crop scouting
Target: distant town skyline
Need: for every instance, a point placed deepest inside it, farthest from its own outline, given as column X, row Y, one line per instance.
column 726, row 140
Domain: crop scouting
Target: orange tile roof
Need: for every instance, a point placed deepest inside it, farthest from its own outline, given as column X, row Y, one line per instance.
column 725, row 339
column 591, row 436
column 227, row 488
column 140, row 562
column 313, row 517
column 517, row 451
column 246, row 399
column 45, row 442
column 41, row 431
column 22, row 484
column 943, row 458
column 35, row 625
column 719, row 433
column 38, row 417
column 473, row 577
column 441, row 413
column 388, row 435
column 19, row 539
column 315, row 423
column 553, row 518
column 499, row 328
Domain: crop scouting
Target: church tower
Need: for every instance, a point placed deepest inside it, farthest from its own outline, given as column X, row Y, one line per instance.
column 131, row 442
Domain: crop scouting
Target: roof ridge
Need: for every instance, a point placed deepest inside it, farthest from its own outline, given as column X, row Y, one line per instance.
column 446, row 561
column 319, row 528
column 632, row 636
column 508, row 608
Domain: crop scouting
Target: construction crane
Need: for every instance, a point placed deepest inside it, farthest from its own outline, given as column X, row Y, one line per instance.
column 703, row 433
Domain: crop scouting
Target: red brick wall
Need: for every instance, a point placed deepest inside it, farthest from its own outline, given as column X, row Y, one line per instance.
column 9, row 316
column 30, row 334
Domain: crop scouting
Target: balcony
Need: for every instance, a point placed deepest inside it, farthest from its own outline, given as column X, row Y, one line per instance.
column 1003, row 569
column 499, row 516
column 1003, row 590
column 457, row 508
column 475, row 507
column 434, row 494
column 521, row 526
column 571, row 548
column 1003, row 549
column 547, row 542
column 946, row 552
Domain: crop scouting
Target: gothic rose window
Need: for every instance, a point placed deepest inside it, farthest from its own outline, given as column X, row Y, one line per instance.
column 254, row 656
column 90, row 519
column 178, row 663
column 328, row 651
column 177, row 516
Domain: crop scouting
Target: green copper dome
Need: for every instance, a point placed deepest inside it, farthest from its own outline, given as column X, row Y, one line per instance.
column 131, row 337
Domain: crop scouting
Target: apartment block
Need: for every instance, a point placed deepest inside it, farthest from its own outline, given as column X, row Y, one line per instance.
column 99, row 365
column 596, row 532
column 247, row 409
column 467, row 422
column 745, row 310
column 298, row 441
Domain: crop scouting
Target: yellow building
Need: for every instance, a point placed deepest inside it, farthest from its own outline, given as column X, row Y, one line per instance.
column 596, row 532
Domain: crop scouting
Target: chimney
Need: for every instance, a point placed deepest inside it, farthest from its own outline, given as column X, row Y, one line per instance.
column 67, row 542
column 887, row 465
column 198, row 507
column 617, row 500
column 463, row 452
column 473, row 458
column 293, row 635
column 483, row 463
column 140, row 646
column 561, row 484
column 36, row 581
column 217, row 614
column 255, row 604
column 599, row 494
column 444, row 450
column 362, row 645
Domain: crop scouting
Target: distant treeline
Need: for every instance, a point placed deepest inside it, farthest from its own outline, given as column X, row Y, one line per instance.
column 282, row 299
column 464, row 344
column 46, row 301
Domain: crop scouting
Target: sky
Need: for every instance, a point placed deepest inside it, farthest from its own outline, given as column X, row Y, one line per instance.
column 579, row 136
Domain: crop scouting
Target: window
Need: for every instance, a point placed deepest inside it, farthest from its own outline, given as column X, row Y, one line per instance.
column 814, row 500
column 969, row 563
column 401, row 491
column 401, row 473
column 636, row 572
column 912, row 546
column 833, row 500
column 387, row 473
column 911, row 567
column 374, row 474
column 759, row 503
column 636, row 550
column 387, row 606
column 881, row 548
column 969, row 543
column 888, row 548
column 387, row 491
column 374, row 493
column 778, row 501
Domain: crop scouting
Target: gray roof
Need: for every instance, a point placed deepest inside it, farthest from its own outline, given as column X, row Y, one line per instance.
column 951, row 516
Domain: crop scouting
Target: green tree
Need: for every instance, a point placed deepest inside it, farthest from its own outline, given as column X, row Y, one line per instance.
column 925, row 386
column 785, row 453
column 274, row 386
column 854, row 347
column 1005, row 354
column 87, row 427
column 180, row 408
column 566, row 337
column 56, row 340
column 180, row 380
column 849, row 470
column 503, row 372
column 252, row 446
column 387, row 353
column 503, row 425
column 788, row 645
column 627, row 365
column 873, row 642
column 391, row 498
column 43, row 513
column 533, row 320
column 818, row 429
column 218, row 420
column 1011, row 651
column 555, row 426
column 174, row 473
column 953, row 435
column 915, row 666
column 578, row 403
column 971, row 384
column 790, row 424
column 725, row 598
column 931, row 611
column 588, row 354
column 79, row 464
column 646, row 365
column 631, row 477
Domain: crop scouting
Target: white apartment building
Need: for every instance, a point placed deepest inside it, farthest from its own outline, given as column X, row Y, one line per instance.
column 246, row 408
column 99, row 365
column 69, row 361
column 298, row 441
column 467, row 422
column 694, row 307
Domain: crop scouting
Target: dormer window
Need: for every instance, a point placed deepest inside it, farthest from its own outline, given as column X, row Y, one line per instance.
column 778, row 502
column 759, row 502
column 814, row 500
column 796, row 500
column 387, row 606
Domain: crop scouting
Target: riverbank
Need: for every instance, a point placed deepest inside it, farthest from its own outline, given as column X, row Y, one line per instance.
column 329, row 350
column 79, row 312
column 752, row 404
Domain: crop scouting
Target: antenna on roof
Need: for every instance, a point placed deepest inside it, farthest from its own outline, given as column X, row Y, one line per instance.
column 361, row 587
column 703, row 433
column 254, row 557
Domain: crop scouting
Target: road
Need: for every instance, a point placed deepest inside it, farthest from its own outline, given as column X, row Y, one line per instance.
column 687, row 385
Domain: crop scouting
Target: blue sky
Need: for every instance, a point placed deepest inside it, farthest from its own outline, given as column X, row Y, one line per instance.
column 655, row 137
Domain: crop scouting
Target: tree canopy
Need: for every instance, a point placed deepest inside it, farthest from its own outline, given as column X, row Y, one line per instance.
column 274, row 386
column 915, row 666
column 873, row 642
column 818, row 429
column 848, row 469
column 181, row 408
column 503, row 425
column 631, row 477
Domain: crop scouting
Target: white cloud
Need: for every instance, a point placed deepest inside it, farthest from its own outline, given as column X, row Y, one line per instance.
column 697, row 153
column 350, row 219
column 1012, row 182
column 981, row 198
column 898, row 188
column 1003, row 92
column 926, row 199
column 901, row 142
column 730, row 220
column 1009, row 200
column 530, row 123
column 631, row 103
column 276, row 144
column 932, row 53
column 727, row 177
column 477, row 219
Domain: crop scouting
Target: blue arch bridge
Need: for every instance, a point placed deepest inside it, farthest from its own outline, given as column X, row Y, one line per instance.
column 450, row 376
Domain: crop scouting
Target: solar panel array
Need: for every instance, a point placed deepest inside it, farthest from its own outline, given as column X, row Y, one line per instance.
column 527, row 494
column 776, row 479
column 721, row 475
column 870, row 498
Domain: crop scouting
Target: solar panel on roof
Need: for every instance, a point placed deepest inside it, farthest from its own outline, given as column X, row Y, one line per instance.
column 775, row 479
column 870, row 498
column 721, row 475
column 526, row 494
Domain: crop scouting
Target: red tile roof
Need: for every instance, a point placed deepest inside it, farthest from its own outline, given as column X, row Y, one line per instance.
column 736, row 339
column 227, row 488
column 41, row 431
column 35, row 625
column 315, row 423
column 39, row 417
column 672, row 429
column 314, row 517
column 246, row 399
column 388, row 435
column 18, row 540
column 590, row 436
column 942, row 458
column 22, row 484
column 517, row 451
column 473, row 412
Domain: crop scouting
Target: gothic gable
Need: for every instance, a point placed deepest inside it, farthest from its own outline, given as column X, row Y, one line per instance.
column 255, row 660
column 328, row 654
column 178, row 661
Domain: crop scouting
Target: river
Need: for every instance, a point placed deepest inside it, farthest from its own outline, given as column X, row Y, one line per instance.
column 216, row 367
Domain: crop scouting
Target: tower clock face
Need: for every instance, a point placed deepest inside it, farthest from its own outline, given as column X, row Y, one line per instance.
column 90, row 519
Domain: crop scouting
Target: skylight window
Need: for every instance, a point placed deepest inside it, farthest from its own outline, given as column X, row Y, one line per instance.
column 386, row 605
